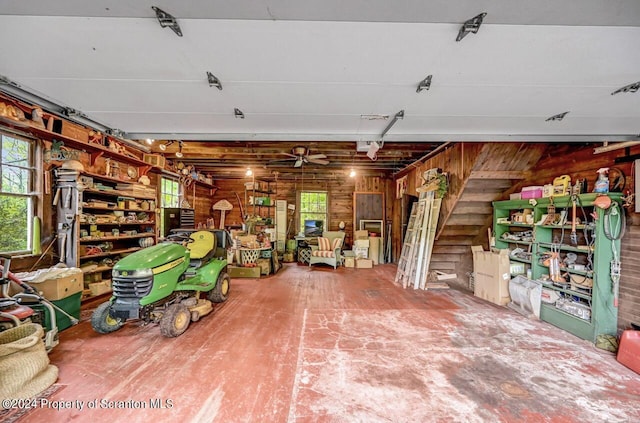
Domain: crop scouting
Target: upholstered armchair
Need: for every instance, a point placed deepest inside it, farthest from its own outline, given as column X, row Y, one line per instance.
column 328, row 249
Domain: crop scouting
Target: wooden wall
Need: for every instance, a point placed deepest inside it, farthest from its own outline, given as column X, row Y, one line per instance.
column 457, row 161
column 340, row 196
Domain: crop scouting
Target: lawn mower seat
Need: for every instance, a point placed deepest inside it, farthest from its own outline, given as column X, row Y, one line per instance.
column 203, row 244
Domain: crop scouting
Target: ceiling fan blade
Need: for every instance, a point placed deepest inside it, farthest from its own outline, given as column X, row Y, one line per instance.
column 298, row 163
column 316, row 156
column 288, row 159
column 289, row 154
column 318, row 161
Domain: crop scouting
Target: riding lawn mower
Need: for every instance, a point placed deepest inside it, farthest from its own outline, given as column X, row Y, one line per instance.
column 164, row 283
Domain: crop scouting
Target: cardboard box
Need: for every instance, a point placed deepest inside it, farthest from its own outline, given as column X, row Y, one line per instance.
column 349, row 262
column 492, row 272
column 364, row 263
column 61, row 286
column 265, row 265
column 361, row 252
column 99, row 288
column 361, row 243
column 363, row 234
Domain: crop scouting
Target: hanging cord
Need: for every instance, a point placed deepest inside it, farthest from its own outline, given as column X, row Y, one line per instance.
column 614, row 210
column 621, row 226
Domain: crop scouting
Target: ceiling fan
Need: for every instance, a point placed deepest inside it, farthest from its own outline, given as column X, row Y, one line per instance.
column 301, row 156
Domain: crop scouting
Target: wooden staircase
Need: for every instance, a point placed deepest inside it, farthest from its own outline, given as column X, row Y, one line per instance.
column 493, row 172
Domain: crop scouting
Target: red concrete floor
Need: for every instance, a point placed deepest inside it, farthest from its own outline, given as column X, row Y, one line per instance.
column 342, row 346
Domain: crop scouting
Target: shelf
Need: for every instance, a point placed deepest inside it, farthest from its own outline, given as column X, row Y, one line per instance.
column 518, row 224
column 197, row 181
column 116, row 209
column 564, row 247
column 95, row 150
column 115, row 238
column 119, row 224
column 98, row 269
column 112, row 253
column 116, row 193
column 553, row 309
column 579, row 294
column 519, row 260
column 513, row 241
column 569, row 226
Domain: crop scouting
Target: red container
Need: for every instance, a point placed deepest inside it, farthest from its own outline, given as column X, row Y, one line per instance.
column 629, row 350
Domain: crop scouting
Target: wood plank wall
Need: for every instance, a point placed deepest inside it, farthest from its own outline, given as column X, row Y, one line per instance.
column 340, row 196
column 580, row 162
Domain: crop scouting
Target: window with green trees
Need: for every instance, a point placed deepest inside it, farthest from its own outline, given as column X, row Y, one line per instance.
column 170, row 197
column 16, row 194
column 313, row 206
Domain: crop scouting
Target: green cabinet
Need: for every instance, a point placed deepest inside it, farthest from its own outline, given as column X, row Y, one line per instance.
column 578, row 265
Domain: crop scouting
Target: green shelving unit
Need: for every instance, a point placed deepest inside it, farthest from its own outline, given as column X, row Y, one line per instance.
column 587, row 313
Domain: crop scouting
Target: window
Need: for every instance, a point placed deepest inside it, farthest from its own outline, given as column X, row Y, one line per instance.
column 170, row 198
column 170, row 193
column 17, row 198
column 313, row 206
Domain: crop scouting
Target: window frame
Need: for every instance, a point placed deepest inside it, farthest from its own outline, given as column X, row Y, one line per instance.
column 32, row 196
column 325, row 218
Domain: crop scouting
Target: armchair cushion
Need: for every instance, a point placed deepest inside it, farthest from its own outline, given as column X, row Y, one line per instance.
column 324, row 244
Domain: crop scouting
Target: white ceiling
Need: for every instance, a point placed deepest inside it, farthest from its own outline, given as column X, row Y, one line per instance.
column 308, row 70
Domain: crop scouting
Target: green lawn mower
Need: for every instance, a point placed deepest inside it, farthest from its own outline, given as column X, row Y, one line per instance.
column 164, row 283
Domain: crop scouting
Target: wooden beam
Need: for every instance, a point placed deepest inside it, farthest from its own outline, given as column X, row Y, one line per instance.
column 498, row 174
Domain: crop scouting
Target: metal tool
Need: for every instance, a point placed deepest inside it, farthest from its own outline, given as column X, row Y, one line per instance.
column 574, row 235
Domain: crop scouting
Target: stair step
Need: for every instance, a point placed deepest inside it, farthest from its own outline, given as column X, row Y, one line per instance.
column 460, row 219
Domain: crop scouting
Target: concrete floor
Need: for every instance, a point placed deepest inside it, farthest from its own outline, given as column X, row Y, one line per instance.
column 342, row 346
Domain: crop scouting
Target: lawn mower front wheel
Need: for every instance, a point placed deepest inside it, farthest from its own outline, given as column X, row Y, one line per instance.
column 220, row 292
column 175, row 320
column 102, row 322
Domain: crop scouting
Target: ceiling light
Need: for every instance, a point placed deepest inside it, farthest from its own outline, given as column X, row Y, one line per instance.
column 425, row 84
column 249, row 172
column 214, row 81
column 167, row 21
column 557, row 117
column 631, row 88
column 149, row 141
column 373, row 151
column 179, row 152
column 352, row 174
column 163, row 147
column 470, row 26
column 238, row 113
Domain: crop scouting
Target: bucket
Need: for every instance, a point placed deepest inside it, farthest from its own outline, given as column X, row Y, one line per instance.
column 525, row 296
column 291, row 245
column 230, row 254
